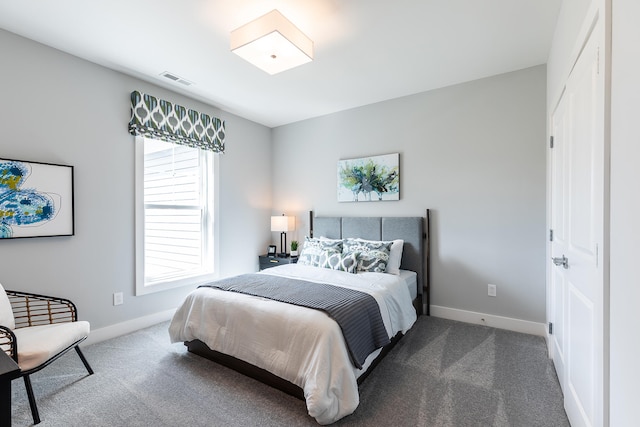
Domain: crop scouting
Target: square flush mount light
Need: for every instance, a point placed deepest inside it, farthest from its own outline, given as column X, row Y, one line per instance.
column 272, row 43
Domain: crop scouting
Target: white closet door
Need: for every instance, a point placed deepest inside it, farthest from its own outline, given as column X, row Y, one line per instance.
column 577, row 201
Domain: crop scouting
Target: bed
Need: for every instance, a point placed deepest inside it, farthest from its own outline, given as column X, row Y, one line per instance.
column 301, row 350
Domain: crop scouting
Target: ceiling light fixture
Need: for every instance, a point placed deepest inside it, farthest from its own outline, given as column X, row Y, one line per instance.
column 272, row 43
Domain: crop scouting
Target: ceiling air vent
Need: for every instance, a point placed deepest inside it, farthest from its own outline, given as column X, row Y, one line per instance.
column 176, row 79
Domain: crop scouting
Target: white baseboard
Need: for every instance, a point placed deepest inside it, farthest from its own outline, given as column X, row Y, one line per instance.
column 500, row 322
column 517, row 325
column 123, row 328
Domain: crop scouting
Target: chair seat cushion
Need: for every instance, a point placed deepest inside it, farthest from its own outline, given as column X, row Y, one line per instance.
column 37, row 344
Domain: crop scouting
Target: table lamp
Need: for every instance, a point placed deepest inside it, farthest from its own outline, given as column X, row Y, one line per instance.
column 283, row 224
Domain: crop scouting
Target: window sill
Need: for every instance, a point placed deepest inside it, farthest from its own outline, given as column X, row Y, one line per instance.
column 145, row 289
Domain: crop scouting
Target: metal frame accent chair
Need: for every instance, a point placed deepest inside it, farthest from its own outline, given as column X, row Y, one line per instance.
column 35, row 330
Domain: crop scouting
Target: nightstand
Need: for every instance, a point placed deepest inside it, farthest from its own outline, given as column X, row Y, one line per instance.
column 268, row 262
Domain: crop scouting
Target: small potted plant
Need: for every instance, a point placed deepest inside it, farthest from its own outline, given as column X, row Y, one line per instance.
column 294, row 248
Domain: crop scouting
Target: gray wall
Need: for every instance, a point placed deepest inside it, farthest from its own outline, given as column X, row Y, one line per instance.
column 473, row 153
column 625, row 213
column 57, row 108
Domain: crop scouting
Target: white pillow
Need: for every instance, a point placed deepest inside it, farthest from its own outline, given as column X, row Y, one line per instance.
column 395, row 255
column 326, row 239
column 6, row 313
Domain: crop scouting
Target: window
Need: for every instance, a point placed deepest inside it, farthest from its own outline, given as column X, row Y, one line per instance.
column 174, row 215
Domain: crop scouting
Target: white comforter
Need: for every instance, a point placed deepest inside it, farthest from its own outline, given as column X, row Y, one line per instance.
column 301, row 345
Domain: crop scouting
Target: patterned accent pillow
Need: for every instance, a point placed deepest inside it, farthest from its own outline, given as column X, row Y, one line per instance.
column 395, row 255
column 340, row 261
column 313, row 249
column 374, row 256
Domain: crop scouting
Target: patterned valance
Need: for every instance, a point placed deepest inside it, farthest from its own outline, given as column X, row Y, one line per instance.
column 160, row 119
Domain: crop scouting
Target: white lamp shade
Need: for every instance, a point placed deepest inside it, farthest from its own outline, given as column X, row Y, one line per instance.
column 272, row 43
column 283, row 223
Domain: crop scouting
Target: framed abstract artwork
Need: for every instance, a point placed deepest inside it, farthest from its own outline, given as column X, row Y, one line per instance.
column 369, row 179
column 36, row 199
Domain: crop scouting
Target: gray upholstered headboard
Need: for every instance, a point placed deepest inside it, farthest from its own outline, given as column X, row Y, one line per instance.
column 413, row 230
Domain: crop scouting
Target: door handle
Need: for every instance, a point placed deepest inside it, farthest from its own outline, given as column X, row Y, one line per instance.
column 563, row 261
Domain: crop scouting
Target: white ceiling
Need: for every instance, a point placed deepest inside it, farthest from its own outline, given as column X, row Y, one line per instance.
column 366, row 51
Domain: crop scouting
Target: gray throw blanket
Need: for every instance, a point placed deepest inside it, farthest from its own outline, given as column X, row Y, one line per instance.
column 357, row 313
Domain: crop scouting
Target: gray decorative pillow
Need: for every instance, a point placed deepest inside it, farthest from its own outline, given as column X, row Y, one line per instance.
column 373, row 256
column 395, row 254
column 330, row 258
column 314, row 249
column 340, row 261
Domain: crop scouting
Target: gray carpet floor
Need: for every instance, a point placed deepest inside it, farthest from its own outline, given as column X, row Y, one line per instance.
column 442, row 373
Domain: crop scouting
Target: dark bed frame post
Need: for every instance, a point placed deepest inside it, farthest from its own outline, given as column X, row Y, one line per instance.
column 427, row 282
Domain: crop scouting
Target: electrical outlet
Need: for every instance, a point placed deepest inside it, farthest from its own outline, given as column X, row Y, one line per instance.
column 492, row 290
column 118, row 298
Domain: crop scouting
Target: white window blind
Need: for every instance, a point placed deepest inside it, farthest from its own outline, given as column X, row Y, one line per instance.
column 177, row 220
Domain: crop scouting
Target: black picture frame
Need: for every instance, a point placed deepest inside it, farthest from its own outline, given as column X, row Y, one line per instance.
column 36, row 198
column 271, row 250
